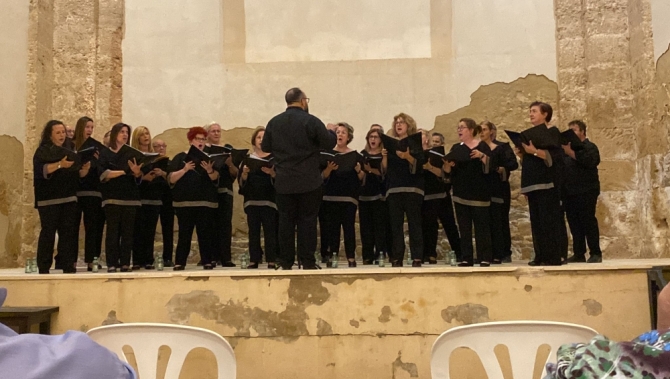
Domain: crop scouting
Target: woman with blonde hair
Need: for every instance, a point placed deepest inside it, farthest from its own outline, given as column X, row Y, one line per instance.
column 151, row 190
column 404, row 194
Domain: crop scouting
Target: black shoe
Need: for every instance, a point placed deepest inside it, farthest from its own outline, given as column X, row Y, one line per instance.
column 168, row 264
column 126, row 269
column 44, row 271
column 577, row 259
column 367, row 262
column 352, row 263
column 507, row 259
column 432, row 261
column 484, row 264
column 311, row 267
column 228, row 264
column 272, row 266
column 178, row 268
column 416, row 263
column 199, row 263
column 496, row 262
column 111, row 269
column 135, row 268
column 396, row 264
column 595, row 259
column 149, row 267
column 535, row 263
column 252, row 266
column 70, row 270
column 208, row 267
column 465, row 264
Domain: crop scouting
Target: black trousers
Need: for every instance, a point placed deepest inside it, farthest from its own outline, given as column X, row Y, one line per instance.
column 545, row 222
column 563, row 235
column 507, row 235
column 497, row 212
column 373, row 218
column 224, row 227
column 468, row 215
column 94, row 225
column 442, row 210
column 581, row 213
column 167, row 226
column 268, row 219
column 400, row 205
column 146, row 221
column 61, row 218
column 333, row 217
column 298, row 210
column 202, row 220
column 120, row 231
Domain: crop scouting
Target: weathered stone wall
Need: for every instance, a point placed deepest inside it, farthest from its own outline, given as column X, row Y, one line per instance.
column 604, row 68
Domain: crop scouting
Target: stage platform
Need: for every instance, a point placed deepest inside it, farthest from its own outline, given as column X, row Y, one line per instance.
column 364, row 322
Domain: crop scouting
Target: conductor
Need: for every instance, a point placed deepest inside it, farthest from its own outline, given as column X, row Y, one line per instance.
column 296, row 138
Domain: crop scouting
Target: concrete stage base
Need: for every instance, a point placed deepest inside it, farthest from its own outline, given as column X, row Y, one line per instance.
column 366, row 322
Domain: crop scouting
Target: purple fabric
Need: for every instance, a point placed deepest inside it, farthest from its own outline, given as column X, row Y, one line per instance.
column 72, row 355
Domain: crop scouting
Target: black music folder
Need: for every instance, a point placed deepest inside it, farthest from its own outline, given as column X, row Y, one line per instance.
column 458, row 154
column 414, row 143
column 374, row 162
column 256, row 164
column 345, row 161
column 570, row 137
column 238, row 154
column 435, row 156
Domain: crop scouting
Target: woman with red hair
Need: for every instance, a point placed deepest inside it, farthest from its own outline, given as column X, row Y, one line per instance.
column 195, row 202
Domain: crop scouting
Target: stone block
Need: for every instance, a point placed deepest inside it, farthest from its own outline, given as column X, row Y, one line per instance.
column 618, row 175
column 607, row 48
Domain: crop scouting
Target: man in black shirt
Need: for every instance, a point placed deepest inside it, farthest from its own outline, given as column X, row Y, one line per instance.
column 581, row 187
column 295, row 138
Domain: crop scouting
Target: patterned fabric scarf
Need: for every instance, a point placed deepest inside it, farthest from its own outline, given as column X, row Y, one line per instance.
column 646, row 357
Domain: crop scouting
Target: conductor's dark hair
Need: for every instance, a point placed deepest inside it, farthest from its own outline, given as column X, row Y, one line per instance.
column 580, row 124
column 544, row 108
column 472, row 125
column 48, row 129
column 294, row 95
column 116, row 129
column 79, row 130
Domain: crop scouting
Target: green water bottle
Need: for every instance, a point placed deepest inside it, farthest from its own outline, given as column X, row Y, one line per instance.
column 95, row 265
column 335, row 260
column 29, row 266
column 160, row 265
column 381, row 260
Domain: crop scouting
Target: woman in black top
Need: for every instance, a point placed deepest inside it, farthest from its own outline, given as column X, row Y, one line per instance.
column 340, row 200
column 258, row 190
column 195, row 202
column 471, row 192
column 151, row 192
column 89, row 198
column 404, row 193
column 120, row 179
column 503, row 161
column 55, row 183
column 372, row 209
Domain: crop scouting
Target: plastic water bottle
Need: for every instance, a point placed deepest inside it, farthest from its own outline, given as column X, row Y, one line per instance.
column 452, row 258
column 244, row 263
column 95, row 264
column 335, row 260
column 381, row 260
column 159, row 263
column 33, row 265
column 409, row 259
column 29, row 266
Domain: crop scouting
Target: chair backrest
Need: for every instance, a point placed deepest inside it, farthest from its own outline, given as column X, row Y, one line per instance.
column 522, row 338
column 146, row 339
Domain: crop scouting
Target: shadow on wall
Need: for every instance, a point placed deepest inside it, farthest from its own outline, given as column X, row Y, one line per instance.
column 11, row 174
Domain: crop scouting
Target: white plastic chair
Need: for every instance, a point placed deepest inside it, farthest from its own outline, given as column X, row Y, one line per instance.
column 147, row 338
column 522, row 338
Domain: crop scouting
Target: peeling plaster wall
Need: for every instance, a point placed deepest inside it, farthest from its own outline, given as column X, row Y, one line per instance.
column 342, row 325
